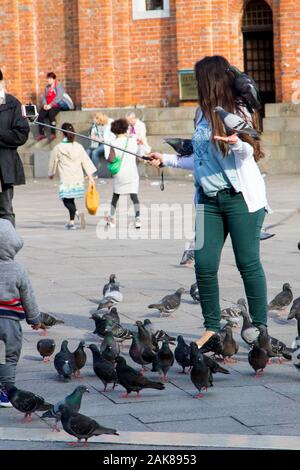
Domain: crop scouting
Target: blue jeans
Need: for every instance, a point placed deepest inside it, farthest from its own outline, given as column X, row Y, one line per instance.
column 95, row 154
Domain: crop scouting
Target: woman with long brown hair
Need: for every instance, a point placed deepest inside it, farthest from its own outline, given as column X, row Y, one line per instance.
column 230, row 193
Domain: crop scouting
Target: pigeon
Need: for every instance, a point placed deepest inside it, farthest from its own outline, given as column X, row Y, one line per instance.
column 214, row 344
column 72, row 401
column 82, row 426
column 282, row 300
column 26, row 402
column 103, row 368
column 182, row 353
column 209, row 361
column 111, row 286
column 169, row 303
column 295, row 309
column 258, row 356
column 113, row 315
column 109, row 354
column 188, row 255
column 194, row 293
column 201, row 375
column 182, row 147
column 132, row 380
column 146, row 340
column 165, row 359
column 235, row 124
column 64, row 362
column 48, row 320
column 106, row 302
column 80, row 358
column 46, row 348
column 246, row 89
column 264, row 235
column 109, row 340
column 232, row 314
column 102, row 324
column 136, row 351
column 249, row 332
column 229, row 345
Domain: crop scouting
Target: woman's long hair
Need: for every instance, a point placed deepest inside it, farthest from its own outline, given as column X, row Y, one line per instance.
column 68, row 127
column 216, row 88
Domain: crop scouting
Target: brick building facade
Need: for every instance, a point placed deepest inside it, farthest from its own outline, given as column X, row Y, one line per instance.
column 114, row 53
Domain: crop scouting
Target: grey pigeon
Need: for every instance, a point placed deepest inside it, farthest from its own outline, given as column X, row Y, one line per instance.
column 169, row 303
column 26, row 402
column 209, row 361
column 182, row 147
column 246, row 89
column 132, row 380
column 235, row 124
column 258, row 356
column 229, row 345
column 232, row 314
column 136, row 352
column 46, row 348
column 188, row 255
column 295, row 309
column 110, row 341
column 201, row 375
column 249, row 332
column 64, row 362
column 282, row 300
column 194, row 293
column 182, row 353
column 72, row 401
column 103, row 368
column 112, row 285
column 48, row 320
column 164, row 359
column 80, row 358
column 82, row 426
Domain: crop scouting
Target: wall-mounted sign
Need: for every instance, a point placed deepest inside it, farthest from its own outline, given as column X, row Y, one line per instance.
column 187, row 85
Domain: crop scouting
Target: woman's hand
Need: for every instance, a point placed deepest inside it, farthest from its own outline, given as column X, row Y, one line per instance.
column 156, row 159
column 231, row 139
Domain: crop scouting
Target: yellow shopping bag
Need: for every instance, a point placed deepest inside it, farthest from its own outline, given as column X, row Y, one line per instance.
column 92, row 199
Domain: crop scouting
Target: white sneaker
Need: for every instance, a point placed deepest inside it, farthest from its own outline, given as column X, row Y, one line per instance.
column 112, row 222
column 69, row 226
column 137, row 222
column 4, row 401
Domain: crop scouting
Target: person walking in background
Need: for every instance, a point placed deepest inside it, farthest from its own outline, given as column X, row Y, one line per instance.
column 100, row 130
column 17, row 302
column 54, row 100
column 70, row 159
column 126, row 181
column 14, row 131
column 138, row 130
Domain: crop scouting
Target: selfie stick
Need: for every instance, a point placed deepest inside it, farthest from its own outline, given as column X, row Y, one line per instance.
column 162, row 187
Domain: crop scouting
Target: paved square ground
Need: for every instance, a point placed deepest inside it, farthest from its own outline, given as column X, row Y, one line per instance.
column 68, row 271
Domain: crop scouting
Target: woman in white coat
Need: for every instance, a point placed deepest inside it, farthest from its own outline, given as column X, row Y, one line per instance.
column 126, row 180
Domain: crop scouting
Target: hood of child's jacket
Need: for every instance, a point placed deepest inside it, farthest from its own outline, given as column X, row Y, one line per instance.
column 10, row 242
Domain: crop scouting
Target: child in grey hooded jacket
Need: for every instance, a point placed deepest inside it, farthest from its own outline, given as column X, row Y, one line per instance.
column 17, row 302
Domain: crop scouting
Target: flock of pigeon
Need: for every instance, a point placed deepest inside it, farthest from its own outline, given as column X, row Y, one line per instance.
column 150, row 348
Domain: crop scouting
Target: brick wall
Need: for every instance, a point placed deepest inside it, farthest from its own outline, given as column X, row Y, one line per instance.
column 107, row 59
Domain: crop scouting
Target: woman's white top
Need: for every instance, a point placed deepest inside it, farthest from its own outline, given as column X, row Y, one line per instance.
column 126, row 181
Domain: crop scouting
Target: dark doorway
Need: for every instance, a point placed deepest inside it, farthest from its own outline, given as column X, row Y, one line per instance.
column 257, row 30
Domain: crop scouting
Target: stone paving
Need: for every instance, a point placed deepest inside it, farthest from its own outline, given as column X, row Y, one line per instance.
column 68, row 271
